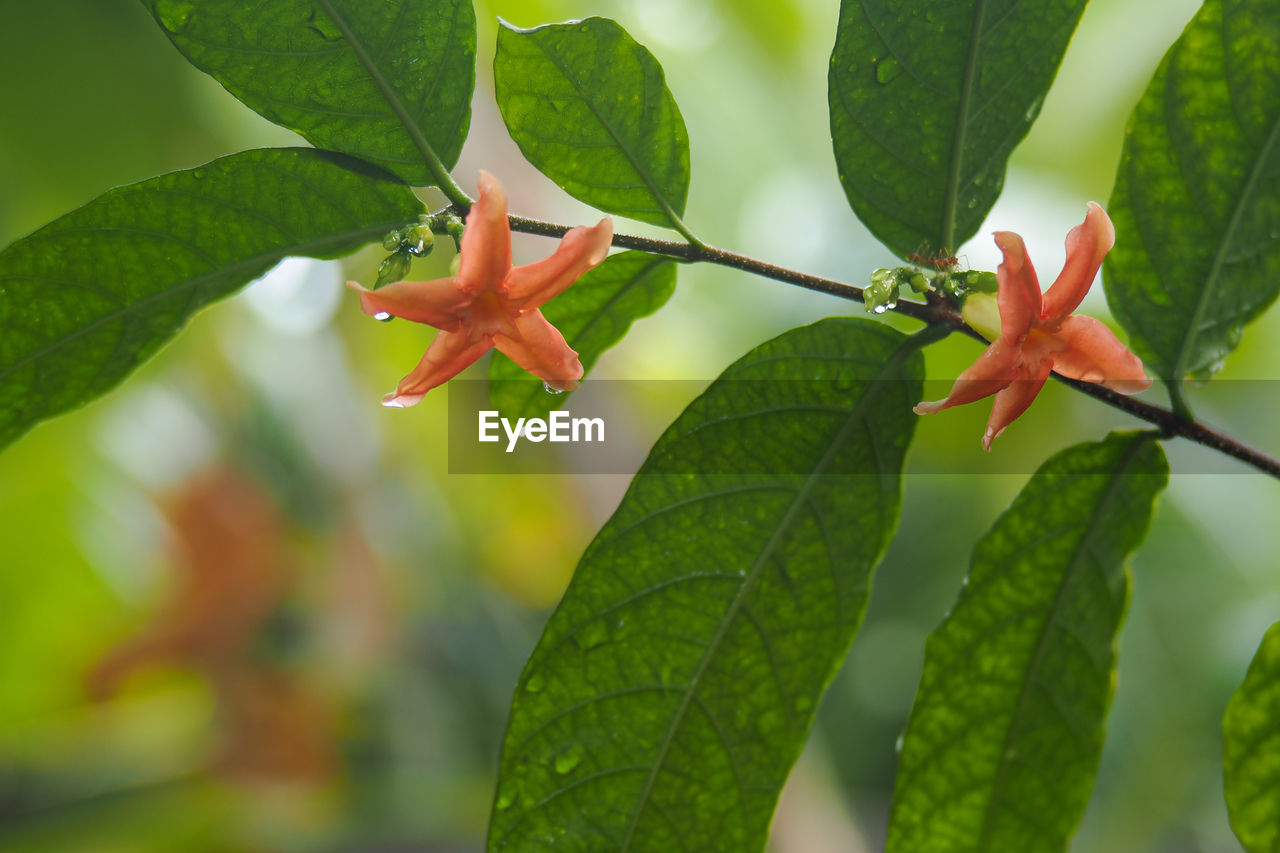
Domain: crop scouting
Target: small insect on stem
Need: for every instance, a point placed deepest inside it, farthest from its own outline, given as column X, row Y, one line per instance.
column 939, row 261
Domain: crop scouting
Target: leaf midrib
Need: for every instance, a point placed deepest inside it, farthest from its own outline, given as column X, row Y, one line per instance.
column 1112, row 489
column 1213, row 280
column 801, row 498
column 962, row 126
column 658, row 194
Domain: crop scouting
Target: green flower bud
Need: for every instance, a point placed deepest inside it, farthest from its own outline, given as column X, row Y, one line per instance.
column 391, row 242
column 982, row 312
column 982, row 281
column 393, row 268
column 919, row 283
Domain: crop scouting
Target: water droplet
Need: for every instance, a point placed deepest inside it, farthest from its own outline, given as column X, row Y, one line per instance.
column 768, row 722
column 551, row 389
column 897, row 744
column 534, row 684
column 886, row 69
column 325, row 26
column 383, row 317
column 591, row 635
column 569, row 759
column 880, row 309
column 174, row 14
column 1034, row 109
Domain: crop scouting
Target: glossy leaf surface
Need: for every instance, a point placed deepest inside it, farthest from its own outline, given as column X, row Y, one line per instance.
column 89, row 297
column 928, row 100
column 593, row 315
column 1196, row 203
column 675, row 684
column 377, row 80
column 1251, row 760
column 590, row 108
column 1006, row 731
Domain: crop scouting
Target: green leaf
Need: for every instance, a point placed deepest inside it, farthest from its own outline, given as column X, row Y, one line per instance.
column 593, row 315
column 89, row 297
column 674, row 685
column 590, row 108
column 1004, row 737
column 927, row 102
column 1251, row 760
column 389, row 82
column 1197, row 196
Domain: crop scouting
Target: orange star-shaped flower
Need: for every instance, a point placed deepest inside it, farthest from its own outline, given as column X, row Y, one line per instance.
column 1038, row 334
column 490, row 303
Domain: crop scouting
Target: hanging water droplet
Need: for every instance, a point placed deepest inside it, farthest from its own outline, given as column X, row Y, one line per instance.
column 383, row 317
column 551, row 389
column 879, row 309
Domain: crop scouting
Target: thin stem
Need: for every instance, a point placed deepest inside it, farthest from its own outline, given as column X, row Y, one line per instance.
column 940, row 315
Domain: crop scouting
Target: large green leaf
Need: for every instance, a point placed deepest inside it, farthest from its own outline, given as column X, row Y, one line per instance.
column 1197, row 197
column 385, row 81
column 590, row 108
column 1251, row 760
column 673, row 687
column 1003, row 740
column 87, row 298
column 593, row 315
column 927, row 101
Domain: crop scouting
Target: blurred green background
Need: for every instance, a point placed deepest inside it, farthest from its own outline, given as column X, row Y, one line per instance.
column 407, row 597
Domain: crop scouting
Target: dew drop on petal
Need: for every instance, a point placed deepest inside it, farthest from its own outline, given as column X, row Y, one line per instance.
column 551, row 389
column 382, row 317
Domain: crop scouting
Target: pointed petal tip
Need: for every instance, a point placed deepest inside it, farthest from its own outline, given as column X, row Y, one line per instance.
column 930, row 407
column 988, row 437
column 396, row 400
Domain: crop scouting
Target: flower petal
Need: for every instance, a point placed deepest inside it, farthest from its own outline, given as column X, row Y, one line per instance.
column 1013, row 399
column 539, row 348
column 436, row 303
column 1018, row 293
column 486, row 243
column 1094, row 354
column 1087, row 243
column 993, row 370
column 531, row 285
column 449, row 354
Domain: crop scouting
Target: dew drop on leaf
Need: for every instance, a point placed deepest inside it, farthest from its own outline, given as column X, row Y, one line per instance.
column 568, row 760
column 173, row 14
column 591, row 635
